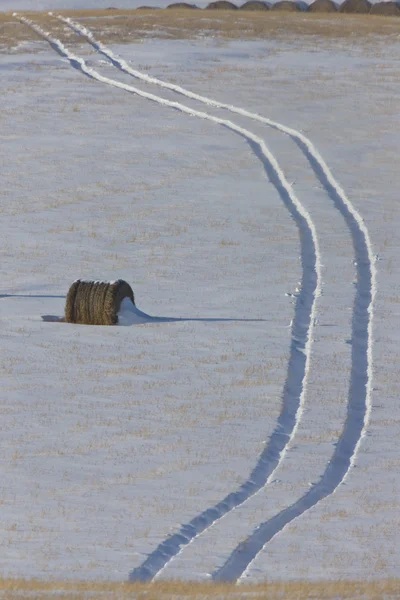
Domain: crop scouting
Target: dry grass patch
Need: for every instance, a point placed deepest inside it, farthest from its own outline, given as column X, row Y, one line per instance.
column 241, row 25
column 13, row 32
column 130, row 25
column 14, row 589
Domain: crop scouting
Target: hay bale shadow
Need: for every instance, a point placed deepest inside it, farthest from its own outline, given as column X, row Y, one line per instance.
column 53, row 319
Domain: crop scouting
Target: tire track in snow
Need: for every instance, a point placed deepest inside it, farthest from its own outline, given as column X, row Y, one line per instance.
column 294, row 392
column 360, row 389
column 359, row 398
column 358, row 410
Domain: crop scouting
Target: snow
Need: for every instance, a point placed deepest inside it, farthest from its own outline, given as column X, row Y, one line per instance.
column 128, row 314
column 115, row 438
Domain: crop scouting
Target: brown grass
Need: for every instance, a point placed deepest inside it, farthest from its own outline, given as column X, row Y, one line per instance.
column 131, row 25
column 186, row 590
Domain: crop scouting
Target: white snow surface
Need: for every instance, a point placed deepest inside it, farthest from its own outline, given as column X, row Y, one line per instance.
column 115, row 437
column 129, row 314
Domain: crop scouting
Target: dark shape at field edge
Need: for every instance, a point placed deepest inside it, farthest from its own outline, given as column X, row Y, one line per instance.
column 322, row 6
column 181, row 5
column 255, row 5
column 355, row 6
column 389, row 9
column 286, row 5
column 221, row 5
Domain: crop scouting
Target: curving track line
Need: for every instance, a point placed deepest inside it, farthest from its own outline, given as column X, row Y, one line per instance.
column 358, row 405
column 360, row 389
column 294, row 392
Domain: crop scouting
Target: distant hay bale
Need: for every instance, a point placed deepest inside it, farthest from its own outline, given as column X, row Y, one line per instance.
column 322, row 6
column 390, row 9
column 355, row 6
column 254, row 5
column 221, row 5
column 96, row 302
column 181, row 5
column 286, row 5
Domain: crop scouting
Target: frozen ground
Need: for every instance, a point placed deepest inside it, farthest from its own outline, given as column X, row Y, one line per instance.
column 114, row 437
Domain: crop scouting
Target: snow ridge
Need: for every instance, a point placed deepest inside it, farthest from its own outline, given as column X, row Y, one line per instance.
column 360, row 390
column 302, row 327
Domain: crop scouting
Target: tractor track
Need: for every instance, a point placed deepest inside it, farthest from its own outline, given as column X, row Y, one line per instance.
column 294, row 393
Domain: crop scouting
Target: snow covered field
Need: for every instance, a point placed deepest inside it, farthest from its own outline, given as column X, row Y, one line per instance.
column 116, row 439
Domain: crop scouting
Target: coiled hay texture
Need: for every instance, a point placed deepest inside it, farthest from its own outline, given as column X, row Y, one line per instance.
column 385, row 8
column 286, row 5
column 254, row 5
column 355, row 6
column 221, row 5
column 96, row 302
column 322, row 6
column 181, row 5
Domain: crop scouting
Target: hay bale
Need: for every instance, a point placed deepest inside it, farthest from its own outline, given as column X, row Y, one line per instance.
column 322, row 6
column 286, row 5
column 221, row 5
column 254, row 5
column 96, row 302
column 355, row 6
column 390, row 9
column 181, row 5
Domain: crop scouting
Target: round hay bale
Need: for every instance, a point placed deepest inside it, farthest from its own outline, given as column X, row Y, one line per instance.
column 181, row 5
column 221, row 5
column 322, row 6
column 355, row 6
column 96, row 302
column 286, row 5
column 254, row 5
column 390, row 9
